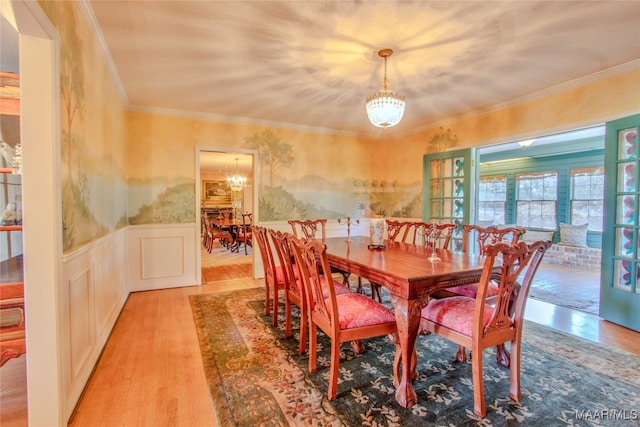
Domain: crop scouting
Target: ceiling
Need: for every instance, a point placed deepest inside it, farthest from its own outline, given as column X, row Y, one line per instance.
column 311, row 64
column 223, row 165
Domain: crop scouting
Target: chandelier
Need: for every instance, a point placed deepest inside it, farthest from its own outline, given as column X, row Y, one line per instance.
column 237, row 182
column 385, row 108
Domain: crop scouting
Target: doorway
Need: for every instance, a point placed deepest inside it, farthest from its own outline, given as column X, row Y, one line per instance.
column 226, row 213
column 553, row 187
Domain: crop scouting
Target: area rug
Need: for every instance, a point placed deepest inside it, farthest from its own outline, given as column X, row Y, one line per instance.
column 256, row 377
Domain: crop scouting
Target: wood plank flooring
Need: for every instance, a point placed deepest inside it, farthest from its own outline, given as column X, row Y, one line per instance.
column 150, row 373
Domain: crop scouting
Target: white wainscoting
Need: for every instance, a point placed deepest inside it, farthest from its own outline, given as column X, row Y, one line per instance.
column 161, row 256
column 91, row 296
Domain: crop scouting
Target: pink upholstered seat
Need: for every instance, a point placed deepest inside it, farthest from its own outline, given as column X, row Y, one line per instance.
column 456, row 313
column 471, row 290
column 357, row 311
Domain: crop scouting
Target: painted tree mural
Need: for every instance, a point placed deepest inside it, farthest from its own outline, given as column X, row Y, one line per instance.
column 273, row 152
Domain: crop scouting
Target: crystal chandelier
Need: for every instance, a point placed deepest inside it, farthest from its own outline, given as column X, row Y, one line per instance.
column 237, row 181
column 385, row 108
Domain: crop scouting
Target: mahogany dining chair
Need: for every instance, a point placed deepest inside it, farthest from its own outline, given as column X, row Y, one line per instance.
column 244, row 235
column 478, row 324
column 345, row 317
column 273, row 280
column 315, row 229
column 484, row 236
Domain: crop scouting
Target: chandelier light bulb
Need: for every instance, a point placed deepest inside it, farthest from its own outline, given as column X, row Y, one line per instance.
column 385, row 108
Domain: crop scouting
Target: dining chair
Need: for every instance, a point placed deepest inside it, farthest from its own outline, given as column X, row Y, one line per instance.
column 315, row 229
column 484, row 236
column 273, row 281
column 244, row 234
column 207, row 238
column 441, row 233
column 294, row 290
column 402, row 231
column 345, row 317
column 477, row 324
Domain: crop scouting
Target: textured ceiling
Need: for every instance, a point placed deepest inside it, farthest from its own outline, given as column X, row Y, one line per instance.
column 312, row 63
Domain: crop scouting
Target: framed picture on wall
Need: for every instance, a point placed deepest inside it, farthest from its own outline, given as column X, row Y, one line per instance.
column 216, row 193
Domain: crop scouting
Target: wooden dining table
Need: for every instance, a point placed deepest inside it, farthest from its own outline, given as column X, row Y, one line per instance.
column 405, row 271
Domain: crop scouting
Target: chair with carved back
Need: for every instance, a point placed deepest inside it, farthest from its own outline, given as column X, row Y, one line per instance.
column 207, row 238
column 273, row 281
column 441, row 233
column 484, row 236
column 398, row 231
column 244, row 234
column 315, row 229
column 345, row 317
column 212, row 233
column 478, row 323
column 402, row 231
column 225, row 214
column 294, row 292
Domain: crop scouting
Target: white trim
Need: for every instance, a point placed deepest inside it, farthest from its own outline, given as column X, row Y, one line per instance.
column 40, row 104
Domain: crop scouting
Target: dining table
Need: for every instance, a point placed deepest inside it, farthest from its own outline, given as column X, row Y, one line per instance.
column 231, row 227
column 405, row 270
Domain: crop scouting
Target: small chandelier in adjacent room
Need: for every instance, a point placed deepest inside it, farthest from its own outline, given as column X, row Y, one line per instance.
column 237, row 182
column 385, row 108
column 16, row 163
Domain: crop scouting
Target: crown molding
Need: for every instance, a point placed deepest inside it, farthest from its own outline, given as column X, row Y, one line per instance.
column 96, row 31
column 533, row 96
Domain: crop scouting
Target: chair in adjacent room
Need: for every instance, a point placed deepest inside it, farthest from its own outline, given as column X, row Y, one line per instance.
column 478, row 324
column 345, row 317
column 244, row 234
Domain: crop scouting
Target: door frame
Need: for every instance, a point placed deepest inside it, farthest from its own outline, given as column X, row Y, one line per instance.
column 198, row 190
column 618, row 305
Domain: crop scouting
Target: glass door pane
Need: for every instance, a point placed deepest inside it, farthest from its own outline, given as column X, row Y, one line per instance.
column 620, row 290
column 449, row 189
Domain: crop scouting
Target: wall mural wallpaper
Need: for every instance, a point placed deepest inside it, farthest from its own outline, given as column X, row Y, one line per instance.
column 92, row 125
column 162, row 201
column 285, row 195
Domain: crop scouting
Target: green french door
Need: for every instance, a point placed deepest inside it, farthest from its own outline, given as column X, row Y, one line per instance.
column 620, row 274
column 449, row 189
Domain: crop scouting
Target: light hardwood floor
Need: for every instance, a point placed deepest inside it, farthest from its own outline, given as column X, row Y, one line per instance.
column 150, row 373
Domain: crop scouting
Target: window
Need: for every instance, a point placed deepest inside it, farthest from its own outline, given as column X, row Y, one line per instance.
column 536, row 199
column 492, row 199
column 587, row 186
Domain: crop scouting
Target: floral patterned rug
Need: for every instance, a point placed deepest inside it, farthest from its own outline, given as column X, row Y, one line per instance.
column 256, row 377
